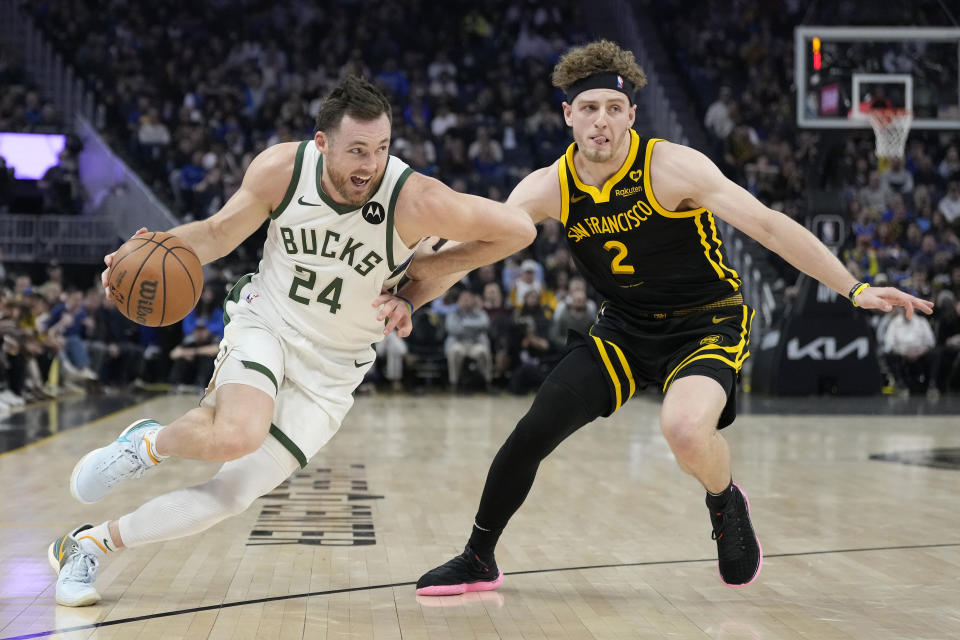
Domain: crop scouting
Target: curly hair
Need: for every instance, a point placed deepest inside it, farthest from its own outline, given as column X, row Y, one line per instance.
column 597, row 57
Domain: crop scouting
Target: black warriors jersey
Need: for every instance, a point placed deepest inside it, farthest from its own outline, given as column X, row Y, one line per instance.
column 636, row 253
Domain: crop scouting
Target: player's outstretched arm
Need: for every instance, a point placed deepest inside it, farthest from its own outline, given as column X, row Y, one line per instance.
column 488, row 231
column 263, row 187
column 686, row 179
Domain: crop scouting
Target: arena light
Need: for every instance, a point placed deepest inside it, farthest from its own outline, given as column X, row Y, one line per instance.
column 31, row 154
column 816, row 54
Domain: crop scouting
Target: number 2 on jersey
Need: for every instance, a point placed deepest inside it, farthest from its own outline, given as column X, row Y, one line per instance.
column 617, row 266
column 330, row 295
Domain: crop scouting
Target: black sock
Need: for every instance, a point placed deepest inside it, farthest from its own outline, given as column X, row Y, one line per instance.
column 717, row 501
column 483, row 542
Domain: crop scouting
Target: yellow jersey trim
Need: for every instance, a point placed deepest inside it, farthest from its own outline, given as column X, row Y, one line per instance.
column 603, row 195
column 626, row 368
column 735, row 351
column 722, row 274
column 717, row 244
column 610, row 371
column 648, row 188
column 564, row 191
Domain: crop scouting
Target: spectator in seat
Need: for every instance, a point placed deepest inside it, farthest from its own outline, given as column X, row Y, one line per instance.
column 897, row 178
column 193, row 358
column 908, row 348
column 61, row 187
column 949, row 204
column 467, row 338
column 392, row 351
column 946, row 367
column 875, row 194
column 66, row 328
column 575, row 316
column 529, row 280
column 530, row 347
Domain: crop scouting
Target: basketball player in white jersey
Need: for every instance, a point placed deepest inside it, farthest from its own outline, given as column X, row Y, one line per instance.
column 345, row 221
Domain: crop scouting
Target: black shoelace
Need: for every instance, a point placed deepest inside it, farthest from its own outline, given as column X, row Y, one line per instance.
column 729, row 532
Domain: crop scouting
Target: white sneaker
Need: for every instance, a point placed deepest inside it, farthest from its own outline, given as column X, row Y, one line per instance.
column 129, row 456
column 9, row 397
column 76, row 570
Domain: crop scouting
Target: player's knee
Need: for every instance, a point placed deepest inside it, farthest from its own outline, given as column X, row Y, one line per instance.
column 530, row 438
column 229, row 500
column 236, row 503
column 685, row 432
column 237, row 438
column 553, row 416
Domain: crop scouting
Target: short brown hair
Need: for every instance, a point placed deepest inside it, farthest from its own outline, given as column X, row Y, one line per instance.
column 602, row 56
column 355, row 97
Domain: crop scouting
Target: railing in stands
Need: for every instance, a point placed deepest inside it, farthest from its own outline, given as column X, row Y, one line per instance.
column 115, row 191
column 67, row 239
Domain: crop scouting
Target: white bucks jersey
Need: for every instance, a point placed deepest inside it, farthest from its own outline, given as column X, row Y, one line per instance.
column 324, row 262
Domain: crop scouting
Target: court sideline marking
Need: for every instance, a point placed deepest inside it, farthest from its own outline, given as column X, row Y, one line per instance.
column 311, row 594
column 35, row 443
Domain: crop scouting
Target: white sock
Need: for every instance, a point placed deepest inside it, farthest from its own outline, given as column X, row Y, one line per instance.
column 188, row 511
column 147, row 448
column 96, row 541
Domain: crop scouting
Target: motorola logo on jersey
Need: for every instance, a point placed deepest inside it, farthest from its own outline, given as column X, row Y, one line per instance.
column 373, row 212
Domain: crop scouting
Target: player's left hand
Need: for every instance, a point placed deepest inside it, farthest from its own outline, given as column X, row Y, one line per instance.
column 886, row 298
column 397, row 313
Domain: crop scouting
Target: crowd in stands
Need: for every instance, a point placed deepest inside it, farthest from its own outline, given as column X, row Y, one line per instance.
column 193, row 92
column 902, row 216
column 59, row 338
column 24, row 109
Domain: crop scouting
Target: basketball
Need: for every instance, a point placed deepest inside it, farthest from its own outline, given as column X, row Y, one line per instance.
column 155, row 279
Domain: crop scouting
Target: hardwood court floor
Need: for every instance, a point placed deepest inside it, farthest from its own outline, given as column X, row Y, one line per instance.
column 614, row 541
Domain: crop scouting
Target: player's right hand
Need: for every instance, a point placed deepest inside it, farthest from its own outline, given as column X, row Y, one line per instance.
column 108, row 260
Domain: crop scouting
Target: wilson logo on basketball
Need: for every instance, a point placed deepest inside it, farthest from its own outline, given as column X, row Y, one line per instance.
column 148, row 292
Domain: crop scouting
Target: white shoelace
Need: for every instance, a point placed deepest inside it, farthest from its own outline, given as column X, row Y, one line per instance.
column 81, row 567
column 125, row 464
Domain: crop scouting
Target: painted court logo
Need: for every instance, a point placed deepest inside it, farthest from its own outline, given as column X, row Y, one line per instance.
column 373, row 212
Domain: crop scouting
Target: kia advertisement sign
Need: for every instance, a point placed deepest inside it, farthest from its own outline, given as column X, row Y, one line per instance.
column 822, row 345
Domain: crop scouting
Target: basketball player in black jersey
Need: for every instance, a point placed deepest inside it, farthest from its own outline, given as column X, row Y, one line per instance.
column 640, row 219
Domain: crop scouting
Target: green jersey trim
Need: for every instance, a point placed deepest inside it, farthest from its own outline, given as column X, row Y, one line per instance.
column 256, row 366
column 234, row 295
column 294, row 181
column 393, row 204
column 289, row 445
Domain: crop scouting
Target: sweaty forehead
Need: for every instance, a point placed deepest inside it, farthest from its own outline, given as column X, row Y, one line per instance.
column 372, row 132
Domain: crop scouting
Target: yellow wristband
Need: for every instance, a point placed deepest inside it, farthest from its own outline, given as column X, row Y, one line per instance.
column 857, row 291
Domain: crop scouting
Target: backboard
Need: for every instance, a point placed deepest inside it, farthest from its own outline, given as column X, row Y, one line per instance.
column 843, row 71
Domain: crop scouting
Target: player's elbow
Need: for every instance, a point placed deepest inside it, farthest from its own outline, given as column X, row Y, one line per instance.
column 517, row 231
column 525, row 232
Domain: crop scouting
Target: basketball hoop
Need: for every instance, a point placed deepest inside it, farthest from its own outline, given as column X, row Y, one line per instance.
column 891, row 127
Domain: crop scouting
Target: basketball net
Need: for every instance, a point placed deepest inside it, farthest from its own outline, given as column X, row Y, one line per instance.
column 890, row 126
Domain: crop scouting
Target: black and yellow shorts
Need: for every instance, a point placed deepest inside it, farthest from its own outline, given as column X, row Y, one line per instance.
column 635, row 351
